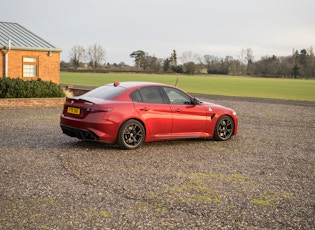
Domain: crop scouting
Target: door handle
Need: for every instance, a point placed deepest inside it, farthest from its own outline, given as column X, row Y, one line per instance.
column 144, row 109
column 177, row 110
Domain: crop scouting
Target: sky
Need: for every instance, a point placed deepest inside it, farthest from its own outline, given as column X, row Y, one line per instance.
column 203, row 27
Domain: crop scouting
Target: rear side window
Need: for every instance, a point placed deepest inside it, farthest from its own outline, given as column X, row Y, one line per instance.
column 105, row 92
column 135, row 96
column 148, row 95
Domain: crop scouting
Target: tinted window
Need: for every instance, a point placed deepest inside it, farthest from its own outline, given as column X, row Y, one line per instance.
column 176, row 96
column 105, row 92
column 135, row 96
column 151, row 95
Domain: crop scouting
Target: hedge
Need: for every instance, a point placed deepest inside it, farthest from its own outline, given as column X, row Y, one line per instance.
column 17, row 88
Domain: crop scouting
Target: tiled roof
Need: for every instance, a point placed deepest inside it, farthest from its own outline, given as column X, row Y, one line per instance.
column 22, row 39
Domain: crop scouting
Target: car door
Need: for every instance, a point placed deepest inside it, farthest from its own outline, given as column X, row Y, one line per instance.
column 188, row 119
column 154, row 111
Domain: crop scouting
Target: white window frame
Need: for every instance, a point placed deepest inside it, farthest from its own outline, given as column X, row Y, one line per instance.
column 30, row 66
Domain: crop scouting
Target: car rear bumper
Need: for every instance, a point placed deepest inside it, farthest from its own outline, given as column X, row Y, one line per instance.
column 79, row 133
column 89, row 130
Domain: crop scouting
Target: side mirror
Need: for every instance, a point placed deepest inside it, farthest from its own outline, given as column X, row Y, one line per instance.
column 196, row 101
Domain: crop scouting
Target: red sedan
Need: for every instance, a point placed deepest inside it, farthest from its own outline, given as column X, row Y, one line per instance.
column 130, row 113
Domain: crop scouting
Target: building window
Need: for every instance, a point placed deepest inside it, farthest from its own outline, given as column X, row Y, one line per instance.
column 30, row 67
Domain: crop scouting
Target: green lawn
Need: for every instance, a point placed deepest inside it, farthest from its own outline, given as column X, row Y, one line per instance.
column 290, row 89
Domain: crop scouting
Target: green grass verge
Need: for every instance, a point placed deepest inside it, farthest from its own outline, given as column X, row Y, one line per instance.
column 288, row 89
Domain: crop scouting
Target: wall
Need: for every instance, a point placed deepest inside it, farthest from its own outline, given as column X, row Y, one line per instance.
column 48, row 66
column 31, row 102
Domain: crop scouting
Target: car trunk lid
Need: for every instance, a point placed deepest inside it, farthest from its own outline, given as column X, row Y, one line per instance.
column 80, row 107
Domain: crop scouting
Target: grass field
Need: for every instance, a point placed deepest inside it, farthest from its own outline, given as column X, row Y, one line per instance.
column 289, row 89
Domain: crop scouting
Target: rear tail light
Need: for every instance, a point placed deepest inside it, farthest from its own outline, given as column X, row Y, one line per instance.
column 98, row 110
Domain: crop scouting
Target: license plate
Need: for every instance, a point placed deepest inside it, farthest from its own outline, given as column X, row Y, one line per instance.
column 73, row 110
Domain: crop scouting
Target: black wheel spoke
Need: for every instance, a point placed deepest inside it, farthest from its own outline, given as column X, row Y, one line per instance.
column 132, row 135
column 224, row 128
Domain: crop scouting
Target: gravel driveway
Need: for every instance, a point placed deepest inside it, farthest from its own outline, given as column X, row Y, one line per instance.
column 263, row 178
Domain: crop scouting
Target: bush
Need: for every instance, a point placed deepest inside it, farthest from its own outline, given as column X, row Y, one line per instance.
column 17, row 88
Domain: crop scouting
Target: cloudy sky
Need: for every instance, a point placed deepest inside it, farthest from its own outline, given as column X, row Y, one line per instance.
column 214, row 27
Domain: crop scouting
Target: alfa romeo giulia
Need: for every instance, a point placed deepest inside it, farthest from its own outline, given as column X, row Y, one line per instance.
column 130, row 113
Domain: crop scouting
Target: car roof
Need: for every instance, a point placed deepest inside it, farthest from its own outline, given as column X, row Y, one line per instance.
column 131, row 84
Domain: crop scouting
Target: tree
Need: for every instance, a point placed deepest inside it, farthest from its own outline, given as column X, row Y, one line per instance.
column 139, row 57
column 151, row 63
column 225, row 65
column 170, row 63
column 64, row 65
column 300, row 63
column 303, row 58
column 190, row 68
column 235, row 67
column 286, row 64
column 189, row 56
column 212, row 63
column 173, row 59
column 246, row 55
column 268, row 66
column 311, row 63
column 77, row 56
column 295, row 71
column 247, row 59
column 166, row 64
column 190, row 62
column 96, row 55
column 155, row 64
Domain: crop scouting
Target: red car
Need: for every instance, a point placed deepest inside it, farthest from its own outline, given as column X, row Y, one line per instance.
column 130, row 113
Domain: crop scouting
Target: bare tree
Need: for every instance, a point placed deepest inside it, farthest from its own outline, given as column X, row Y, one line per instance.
column 311, row 63
column 247, row 59
column 189, row 56
column 155, row 64
column 191, row 62
column 77, row 56
column 211, row 62
column 247, row 55
column 96, row 55
column 235, row 67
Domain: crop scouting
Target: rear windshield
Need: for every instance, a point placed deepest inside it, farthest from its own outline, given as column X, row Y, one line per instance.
column 105, row 92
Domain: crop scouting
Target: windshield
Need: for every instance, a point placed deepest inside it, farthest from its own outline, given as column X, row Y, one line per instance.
column 105, row 92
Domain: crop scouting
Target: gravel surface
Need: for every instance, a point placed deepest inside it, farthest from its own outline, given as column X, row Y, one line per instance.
column 263, row 178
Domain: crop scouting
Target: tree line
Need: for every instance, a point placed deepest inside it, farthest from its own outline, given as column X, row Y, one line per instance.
column 300, row 64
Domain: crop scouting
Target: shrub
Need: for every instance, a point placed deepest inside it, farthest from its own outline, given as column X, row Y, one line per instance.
column 17, row 88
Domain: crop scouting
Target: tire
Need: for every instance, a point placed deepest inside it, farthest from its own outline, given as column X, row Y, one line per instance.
column 131, row 135
column 224, row 128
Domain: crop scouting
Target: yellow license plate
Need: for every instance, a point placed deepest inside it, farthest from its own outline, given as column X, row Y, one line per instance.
column 73, row 110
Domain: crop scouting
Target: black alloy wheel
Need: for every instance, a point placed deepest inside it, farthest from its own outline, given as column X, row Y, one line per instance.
column 131, row 134
column 224, row 128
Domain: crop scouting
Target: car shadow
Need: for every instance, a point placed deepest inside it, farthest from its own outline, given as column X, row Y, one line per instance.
column 82, row 144
column 95, row 145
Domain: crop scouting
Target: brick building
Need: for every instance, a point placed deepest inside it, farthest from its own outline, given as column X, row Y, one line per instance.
column 25, row 55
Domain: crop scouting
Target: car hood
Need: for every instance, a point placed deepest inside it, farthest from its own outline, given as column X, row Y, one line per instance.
column 216, row 108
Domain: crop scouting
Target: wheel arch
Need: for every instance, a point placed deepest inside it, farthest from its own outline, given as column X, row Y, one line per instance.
column 132, row 118
column 234, row 119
